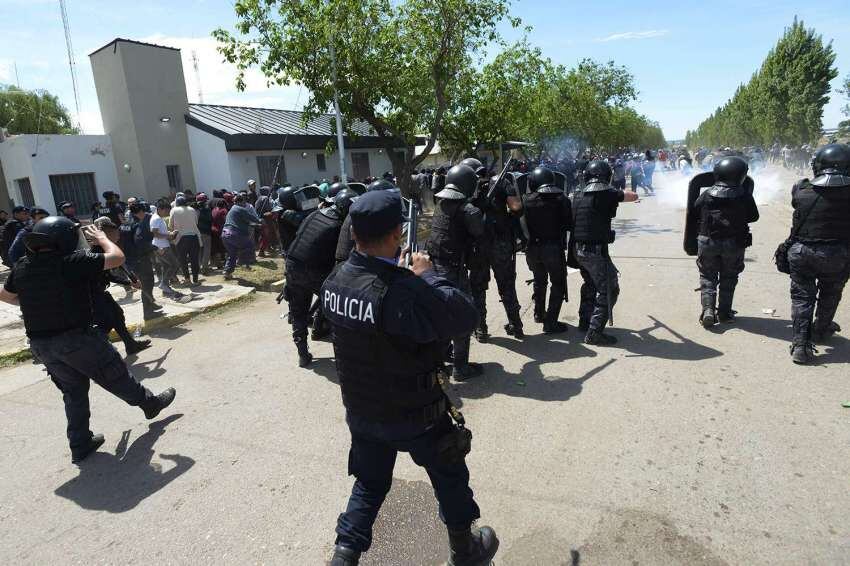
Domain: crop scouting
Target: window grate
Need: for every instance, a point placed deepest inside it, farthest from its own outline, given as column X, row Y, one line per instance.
column 25, row 188
column 78, row 188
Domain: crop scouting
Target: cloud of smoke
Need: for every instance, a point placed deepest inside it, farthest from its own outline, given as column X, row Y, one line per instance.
column 772, row 184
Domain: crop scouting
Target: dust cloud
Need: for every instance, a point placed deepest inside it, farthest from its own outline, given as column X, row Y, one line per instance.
column 772, row 185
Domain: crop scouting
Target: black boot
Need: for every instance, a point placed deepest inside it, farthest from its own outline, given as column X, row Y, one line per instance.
column 708, row 318
column 136, row 346
column 472, row 547
column 155, row 406
column 598, row 338
column 467, row 371
column 80, row 453
column 514, row 329
column 344, row 556
column 555, row 327
column 305, row 358
column 482, row 334
column 726, row 316
column 822, row 333
column 802, row 354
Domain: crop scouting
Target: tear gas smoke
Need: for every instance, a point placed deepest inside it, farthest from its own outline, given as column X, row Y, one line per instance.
column 772, row 184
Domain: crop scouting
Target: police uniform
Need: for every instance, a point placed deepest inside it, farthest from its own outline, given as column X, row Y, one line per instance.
column 548, row 217
column 724, row 211
column 54, row 289
column 456, row 223
column 389, row 329
column 819, row 256
column 593, row 208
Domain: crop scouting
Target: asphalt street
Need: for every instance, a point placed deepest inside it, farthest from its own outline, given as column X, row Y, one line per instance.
column 678, row 446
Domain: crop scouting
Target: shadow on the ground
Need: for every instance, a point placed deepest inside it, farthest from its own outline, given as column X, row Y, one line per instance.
column 169, row 333
column 531, row 382
column 119, row 482
column 644, row 343
column 207, row 288
column 151, row 369
column 326, row 367
column 631, row 227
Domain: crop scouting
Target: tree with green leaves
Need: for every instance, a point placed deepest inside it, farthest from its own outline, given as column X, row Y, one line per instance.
column 844, row 126
column 398, row 63
column 33, row 112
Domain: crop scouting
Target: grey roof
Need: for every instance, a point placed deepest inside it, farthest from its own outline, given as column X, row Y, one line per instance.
column 234, row 120
column 122, row 40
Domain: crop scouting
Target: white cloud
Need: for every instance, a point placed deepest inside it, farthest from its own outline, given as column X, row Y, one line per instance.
column 6, row 71
column 90, row 122
column 218, row 78
column 633, row 35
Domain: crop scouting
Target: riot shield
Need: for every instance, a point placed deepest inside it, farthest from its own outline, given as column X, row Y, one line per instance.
column 749, row 184
column 308, row 198
column 358, row 188
column 521, row 181
column 560, row 180
column 695, row 187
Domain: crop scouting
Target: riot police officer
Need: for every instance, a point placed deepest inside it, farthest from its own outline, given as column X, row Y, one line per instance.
column 548, row 217
column 495, row 249
column 290, row 216
column 389, row 326
column 456, row 223
column 723, row 214
column 52, row 285
column 346, row 242
column 594, row 206
column 819, row 256
column 309, row 261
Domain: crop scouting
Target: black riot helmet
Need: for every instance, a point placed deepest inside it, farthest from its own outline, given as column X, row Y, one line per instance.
column 598, row 171
column 334, row 189
column 475, row 165
column 461, row 182
column 343, row 200
column 539, row 178
column 358, row 188
column 831, row 166
column 56, row 232
column 307, row 198
column 286, row 198
column 380, row 185
column 730, row 172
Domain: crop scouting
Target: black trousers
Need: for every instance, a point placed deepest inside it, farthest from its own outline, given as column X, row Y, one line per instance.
column 600, row 289
column 819, row 272
column 74, row 358
column 460, row 277
column 498, row 256
column 302, row 284
column 143, row 268
column 108, row 316
column 548, row 263
column 189, row 254
column 720, row 262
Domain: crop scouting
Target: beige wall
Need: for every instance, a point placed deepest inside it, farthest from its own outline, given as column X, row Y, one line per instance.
column 137, row 85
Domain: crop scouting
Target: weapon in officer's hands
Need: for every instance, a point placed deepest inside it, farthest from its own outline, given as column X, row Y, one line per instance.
column 501, row 177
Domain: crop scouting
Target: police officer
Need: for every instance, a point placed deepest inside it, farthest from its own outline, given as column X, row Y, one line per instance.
column 455, row 224
column 309, row 260
column 549, row 217
column 820, row 254
column 495, row 250
column 724, row 212
column 112, row 209
column 69, row 210
column 390, row 326
column 18, row 248
column 593, row 207
column 52, row 285
column 346, row 242
column 289, row 218
column 20, row 218
column 137, row 243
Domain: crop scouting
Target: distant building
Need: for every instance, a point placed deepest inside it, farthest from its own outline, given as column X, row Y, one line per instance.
column 157, row 143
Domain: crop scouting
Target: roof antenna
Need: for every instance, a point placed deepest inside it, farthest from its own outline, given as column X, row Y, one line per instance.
column 71, row 63
column 197, row 76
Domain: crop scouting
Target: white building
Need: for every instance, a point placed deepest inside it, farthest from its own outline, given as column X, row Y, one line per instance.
column 156, row 143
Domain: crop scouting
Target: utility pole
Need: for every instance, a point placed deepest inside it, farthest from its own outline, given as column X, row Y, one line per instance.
column 342, row 176
column 197, row 75
column 71, row 62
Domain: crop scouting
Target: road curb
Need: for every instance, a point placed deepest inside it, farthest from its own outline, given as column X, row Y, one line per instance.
column 22, row 355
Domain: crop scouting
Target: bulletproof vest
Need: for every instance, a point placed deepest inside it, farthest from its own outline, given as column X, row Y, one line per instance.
column 497, row 213
column 51, row 303
column 544, row 214
column 592, row 214
column 723, row 217
column 345, row 243
column 315, row 242
column 830, row 217
column 383, row 378
column 447, row 240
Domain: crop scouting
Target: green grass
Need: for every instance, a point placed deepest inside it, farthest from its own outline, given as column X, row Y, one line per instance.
column 15, row 358
column 262, row 274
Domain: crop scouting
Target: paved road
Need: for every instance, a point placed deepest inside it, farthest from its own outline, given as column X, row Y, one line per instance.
column 681, row 446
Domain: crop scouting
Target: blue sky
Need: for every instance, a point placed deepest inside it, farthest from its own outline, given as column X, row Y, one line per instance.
column 688, row 57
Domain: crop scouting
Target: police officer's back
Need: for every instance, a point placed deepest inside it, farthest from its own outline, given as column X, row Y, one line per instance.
column 456, row 223
column 548, row 217
column 390, row 327
column 53, row 286
column 724, row 213
column 819, row 255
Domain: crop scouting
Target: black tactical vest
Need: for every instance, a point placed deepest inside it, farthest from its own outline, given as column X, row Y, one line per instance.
column 345, row 243
column 544, row 214
column 315, row 242
column 725, row 218
column 383, row 378
column 51, row 302
column 448, row 237
column 830, row 217
column 592, row 214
